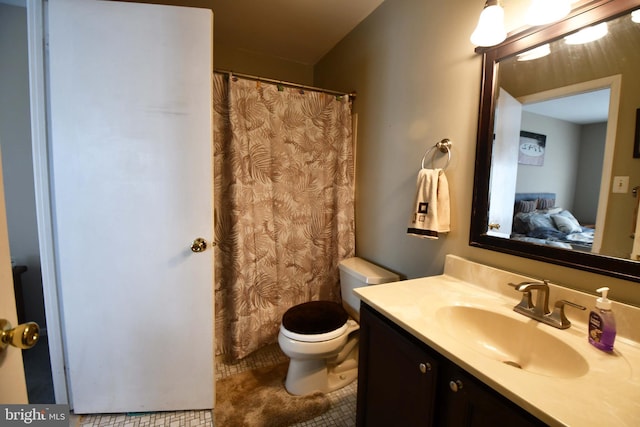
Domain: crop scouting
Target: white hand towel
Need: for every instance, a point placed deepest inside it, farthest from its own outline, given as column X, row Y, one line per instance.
column 431, row 212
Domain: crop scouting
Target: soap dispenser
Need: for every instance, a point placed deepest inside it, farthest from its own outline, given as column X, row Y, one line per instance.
column 602, row 324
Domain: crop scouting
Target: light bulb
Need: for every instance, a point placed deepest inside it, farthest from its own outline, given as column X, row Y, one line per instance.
column 490, row 29
column 588, row 34
column 535, row 53
column 635, row 16
column 543, row 12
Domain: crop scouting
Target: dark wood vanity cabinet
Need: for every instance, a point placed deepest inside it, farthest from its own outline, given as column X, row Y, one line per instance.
column 463, row 400
column 396, row 377
column 403, row 382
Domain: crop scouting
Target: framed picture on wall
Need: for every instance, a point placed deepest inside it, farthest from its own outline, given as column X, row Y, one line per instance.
column 636, row 143
column 531, row 149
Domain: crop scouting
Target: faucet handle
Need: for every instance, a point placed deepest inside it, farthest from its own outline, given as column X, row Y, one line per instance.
column 526, row 302
column 516, row 286
column 561, row 303
column 531, row 286
column 558, row 312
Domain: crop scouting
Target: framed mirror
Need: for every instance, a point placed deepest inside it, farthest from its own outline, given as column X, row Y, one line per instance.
column 562, row 187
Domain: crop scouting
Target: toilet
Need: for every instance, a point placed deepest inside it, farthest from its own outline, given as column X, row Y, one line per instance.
column 321, row 337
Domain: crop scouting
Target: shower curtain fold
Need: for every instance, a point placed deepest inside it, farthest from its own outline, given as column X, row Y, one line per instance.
column 284, row 205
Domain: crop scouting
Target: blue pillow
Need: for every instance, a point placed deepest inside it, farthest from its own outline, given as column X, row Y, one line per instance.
column 566, row 222
column 526, row 222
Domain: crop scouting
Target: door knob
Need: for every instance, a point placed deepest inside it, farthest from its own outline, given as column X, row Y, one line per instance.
column 199, row 245
column 455, row 385
column 494, row 226
column 22, row 336
column 424, row 367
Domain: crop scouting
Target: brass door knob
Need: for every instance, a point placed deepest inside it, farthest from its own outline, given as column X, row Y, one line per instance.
column 494, row 226
column 22, row 336
column 199, row 245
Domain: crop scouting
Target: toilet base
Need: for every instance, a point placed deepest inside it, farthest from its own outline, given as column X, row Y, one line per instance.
column 306, row 376
column 310, row 376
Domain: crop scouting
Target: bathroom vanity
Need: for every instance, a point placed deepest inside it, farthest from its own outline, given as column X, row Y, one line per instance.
column 450, row 351
column 402, row 381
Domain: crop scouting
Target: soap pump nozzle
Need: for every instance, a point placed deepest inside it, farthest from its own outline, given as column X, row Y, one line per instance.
column 603, row 302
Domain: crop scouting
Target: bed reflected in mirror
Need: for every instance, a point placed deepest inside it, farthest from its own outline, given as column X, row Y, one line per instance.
column 564, row 145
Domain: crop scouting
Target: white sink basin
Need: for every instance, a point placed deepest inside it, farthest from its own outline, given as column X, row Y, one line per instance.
column 521, row 343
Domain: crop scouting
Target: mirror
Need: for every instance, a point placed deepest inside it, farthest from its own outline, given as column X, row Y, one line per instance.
column 550, row 170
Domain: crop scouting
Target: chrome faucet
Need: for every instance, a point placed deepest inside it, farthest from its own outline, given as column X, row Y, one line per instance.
column 540, row 310
column 541, row 306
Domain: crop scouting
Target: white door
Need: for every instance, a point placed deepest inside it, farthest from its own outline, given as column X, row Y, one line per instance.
column 131, row 158
column 504, row 162
column 635, row 252
column 13, row 389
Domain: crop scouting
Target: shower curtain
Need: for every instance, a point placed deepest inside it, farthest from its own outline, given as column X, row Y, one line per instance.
column 284, row 205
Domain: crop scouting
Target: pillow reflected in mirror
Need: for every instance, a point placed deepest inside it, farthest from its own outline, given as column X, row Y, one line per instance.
column 546, row 203
column 526, row 206
column 566, row 222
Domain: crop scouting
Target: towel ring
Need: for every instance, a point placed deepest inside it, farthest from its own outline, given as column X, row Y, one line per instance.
column 444, row 146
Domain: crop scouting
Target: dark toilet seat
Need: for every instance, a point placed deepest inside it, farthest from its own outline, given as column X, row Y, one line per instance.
column 315, row 317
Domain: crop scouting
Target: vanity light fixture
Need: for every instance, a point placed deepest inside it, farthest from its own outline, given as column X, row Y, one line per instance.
column 543, row 12
column 535, row 53
column 490, row 30
column 635, row 16
column 588, row 34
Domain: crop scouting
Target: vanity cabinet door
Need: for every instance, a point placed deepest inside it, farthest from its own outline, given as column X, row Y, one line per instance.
column 396, row 376
column 464, row 401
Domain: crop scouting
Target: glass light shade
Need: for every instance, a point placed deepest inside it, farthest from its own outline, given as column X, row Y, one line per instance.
column 490, row 30
column 635, row 16
column 588, row 34
column 543, row 12
column 535, row 53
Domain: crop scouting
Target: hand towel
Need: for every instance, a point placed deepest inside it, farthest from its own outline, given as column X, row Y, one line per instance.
column 431, row 211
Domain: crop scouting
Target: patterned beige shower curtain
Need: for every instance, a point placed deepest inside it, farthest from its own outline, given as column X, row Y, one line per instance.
column 284, row 205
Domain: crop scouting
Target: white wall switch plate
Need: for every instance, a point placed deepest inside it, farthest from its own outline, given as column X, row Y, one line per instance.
column 620, row 184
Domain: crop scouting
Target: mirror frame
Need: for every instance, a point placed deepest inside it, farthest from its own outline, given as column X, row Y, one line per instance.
column 587, row 13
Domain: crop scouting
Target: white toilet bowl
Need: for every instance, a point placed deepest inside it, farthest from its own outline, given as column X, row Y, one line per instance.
column 320, row 365
column 321, row 339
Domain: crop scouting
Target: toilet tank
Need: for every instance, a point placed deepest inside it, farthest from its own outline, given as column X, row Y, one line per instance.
column 355, row 273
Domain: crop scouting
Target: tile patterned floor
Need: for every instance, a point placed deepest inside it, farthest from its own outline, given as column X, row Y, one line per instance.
column 341, row 414
column 171, row 419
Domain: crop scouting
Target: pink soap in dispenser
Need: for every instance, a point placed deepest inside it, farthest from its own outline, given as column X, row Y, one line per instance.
column 602, row 324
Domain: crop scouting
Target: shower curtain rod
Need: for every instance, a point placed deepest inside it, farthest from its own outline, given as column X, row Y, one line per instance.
column 289, row 84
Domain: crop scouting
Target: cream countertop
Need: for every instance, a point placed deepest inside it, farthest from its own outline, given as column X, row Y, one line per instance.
column 608, row 394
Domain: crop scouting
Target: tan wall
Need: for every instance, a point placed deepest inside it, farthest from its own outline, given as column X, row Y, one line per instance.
column 241, row 61
column 228, row 58
column 418, row 80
